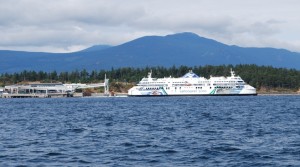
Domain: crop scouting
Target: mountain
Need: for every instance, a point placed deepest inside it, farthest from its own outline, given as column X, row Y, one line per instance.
column 177, row 49
column 95, row 48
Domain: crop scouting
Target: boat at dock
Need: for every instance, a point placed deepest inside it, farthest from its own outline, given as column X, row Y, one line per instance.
column 192, row 85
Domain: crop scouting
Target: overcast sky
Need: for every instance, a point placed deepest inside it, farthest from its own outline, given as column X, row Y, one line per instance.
column 71, row 25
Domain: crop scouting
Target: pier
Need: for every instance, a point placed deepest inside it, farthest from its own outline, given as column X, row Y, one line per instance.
column 50, row 95
column 49, row 90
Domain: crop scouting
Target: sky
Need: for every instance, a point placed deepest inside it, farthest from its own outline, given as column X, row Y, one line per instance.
column 72, row 25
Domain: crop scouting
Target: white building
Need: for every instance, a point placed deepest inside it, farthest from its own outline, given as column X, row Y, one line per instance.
column 48, row 89
column 1, row 90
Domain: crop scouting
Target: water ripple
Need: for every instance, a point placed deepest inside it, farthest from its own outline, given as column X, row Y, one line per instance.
column 167, row 131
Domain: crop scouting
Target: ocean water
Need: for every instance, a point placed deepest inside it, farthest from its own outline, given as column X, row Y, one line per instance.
column 151, row 131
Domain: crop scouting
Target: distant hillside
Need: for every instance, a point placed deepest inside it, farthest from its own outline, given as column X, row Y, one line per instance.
column 178, row 49
column 95, row 48
column 265, row 78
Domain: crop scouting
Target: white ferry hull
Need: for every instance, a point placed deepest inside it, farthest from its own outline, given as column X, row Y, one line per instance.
column 192, row 85
column 136, row 91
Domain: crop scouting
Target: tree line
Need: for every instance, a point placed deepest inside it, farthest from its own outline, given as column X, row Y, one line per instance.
column 257, row 76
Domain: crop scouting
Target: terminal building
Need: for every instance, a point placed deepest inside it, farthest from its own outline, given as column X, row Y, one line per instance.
column 1, row 91
column 48, row 90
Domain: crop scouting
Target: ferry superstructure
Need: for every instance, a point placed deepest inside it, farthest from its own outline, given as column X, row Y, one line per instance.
column 192, row 85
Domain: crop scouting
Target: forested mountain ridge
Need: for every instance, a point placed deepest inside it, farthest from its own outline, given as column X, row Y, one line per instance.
column 257, row 76
column 182, row 49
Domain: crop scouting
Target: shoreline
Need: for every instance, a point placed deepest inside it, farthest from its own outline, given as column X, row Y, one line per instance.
column 278, row 94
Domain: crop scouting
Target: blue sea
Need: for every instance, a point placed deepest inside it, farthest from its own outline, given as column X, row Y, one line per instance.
column 151, row 131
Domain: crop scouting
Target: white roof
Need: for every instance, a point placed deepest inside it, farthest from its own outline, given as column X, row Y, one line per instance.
column 190, row 74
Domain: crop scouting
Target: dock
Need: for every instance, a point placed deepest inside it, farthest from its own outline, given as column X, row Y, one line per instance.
column 51, row 95
column 49, row 90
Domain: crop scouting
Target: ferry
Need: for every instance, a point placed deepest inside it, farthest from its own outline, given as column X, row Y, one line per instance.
column 192, row 85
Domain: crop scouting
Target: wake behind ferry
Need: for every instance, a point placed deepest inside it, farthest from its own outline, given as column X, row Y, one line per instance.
column 192, row 85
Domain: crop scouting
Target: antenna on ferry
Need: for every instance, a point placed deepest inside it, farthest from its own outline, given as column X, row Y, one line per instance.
column 232, row 72
column 150, row 73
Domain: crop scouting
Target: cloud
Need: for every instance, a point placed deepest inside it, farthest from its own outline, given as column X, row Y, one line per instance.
column 68, row 25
